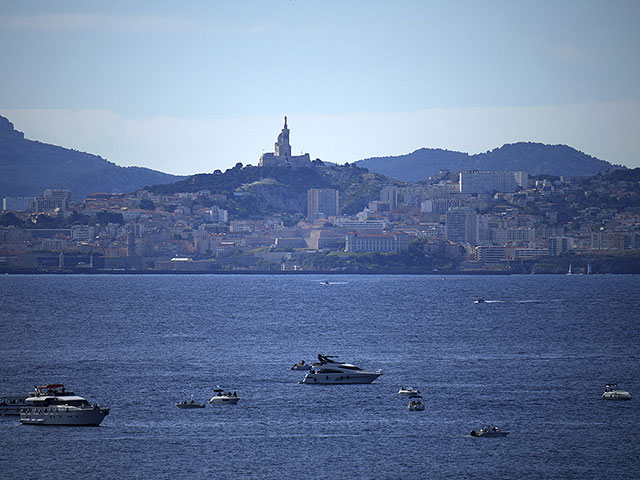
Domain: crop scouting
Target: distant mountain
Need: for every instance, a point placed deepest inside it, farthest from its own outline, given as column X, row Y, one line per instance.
column 28, row 167
column 533, row 158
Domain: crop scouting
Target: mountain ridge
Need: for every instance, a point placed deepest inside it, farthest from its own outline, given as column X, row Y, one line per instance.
column 28, row 167
column 531, row 157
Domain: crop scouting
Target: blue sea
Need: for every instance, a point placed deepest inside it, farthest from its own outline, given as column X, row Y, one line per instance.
column 533, row 360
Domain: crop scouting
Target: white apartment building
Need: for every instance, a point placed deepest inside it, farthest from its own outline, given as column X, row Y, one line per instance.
column 475, row 181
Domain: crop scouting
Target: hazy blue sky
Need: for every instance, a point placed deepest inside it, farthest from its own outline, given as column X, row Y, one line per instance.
column 187, row 87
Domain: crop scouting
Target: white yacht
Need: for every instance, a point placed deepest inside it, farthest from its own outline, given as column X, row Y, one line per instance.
column 221, row 398
column 611, row 392
column 330, row 371
column 11, row 404
column 416, row 403
column 54, row 405
column 412, row 392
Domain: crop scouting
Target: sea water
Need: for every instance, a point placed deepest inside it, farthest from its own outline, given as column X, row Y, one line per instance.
column 533, row 359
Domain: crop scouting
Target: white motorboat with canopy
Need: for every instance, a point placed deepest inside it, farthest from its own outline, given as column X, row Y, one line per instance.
column 222, row 398
column 328, row 371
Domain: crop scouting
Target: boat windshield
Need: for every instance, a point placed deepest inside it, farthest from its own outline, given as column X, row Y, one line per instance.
column 74, row 403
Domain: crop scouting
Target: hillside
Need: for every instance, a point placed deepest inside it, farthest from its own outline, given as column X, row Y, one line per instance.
column 264, row 190
column 28, row 167
column 533, row 158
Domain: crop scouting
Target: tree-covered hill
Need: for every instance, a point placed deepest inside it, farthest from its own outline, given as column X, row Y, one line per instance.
column 283, row 189
column 28, row 167
column 533, row 158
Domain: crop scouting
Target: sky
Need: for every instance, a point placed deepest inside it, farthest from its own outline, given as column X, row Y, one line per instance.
column 191, row 87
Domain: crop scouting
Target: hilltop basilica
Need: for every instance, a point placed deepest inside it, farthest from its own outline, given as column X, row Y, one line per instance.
column 282, row 155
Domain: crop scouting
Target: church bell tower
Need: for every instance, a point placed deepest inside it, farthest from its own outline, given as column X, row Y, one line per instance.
column 282, row 147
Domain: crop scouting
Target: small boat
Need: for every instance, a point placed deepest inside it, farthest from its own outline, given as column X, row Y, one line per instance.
column 489, row 431
column 479, row 300
column 325, row 282
column 189, row 404
column 416, row 404
column 611, row 392
column 570, row 270
column 222, row 398
column 412, row 392
column 302, row 365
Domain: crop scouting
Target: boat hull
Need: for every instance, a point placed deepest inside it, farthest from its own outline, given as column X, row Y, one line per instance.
column 339, row 378
column 224, row 400
column 190, row 405
column 66, row 416
column 616, row 396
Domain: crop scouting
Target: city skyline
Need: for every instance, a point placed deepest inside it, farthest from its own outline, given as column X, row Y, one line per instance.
column 203, row 87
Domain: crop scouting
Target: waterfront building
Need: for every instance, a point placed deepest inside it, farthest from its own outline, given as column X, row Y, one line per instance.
column 390, row 242
column 491, row 253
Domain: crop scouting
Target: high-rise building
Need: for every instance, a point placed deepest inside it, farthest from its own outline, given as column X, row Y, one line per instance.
column 389, row 194
column 322, row 203
column 461, row 224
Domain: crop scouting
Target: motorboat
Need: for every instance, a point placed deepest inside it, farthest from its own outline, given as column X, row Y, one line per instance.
column 12, row 404
column 222, row 398
column 189, row 404
column 416, row 403
column 479, row 300
column 302, row 365
column 611, row 392
column 412, row 392
column 325, row 282
column 328, row 371
column 54, row 405
column 489, row 431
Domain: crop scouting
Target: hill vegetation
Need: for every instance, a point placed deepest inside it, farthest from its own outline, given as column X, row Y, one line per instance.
column 29, row 167
column 533, row 158
column 266, row 190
